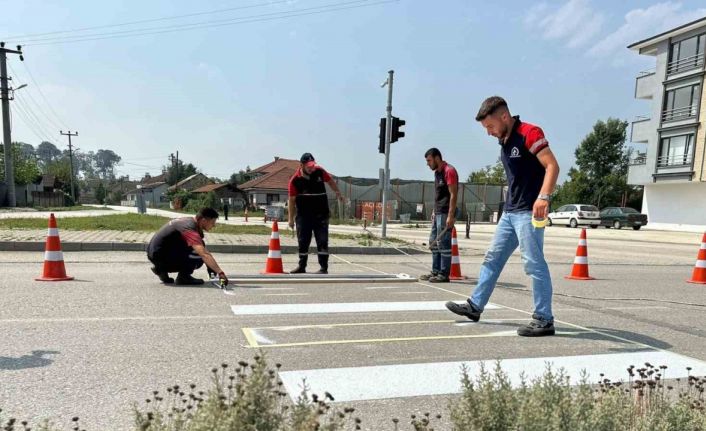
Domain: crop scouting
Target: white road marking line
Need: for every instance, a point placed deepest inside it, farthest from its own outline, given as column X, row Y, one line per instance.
column 261, row 339
column 286, row 294
column 112, row 319
column 342, row 307
column 412, row 380
column 386, row 287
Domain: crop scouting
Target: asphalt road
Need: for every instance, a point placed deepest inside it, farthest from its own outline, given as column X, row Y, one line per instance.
column 93, row 346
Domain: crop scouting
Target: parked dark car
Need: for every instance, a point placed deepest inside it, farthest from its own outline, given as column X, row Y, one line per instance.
column 617, row 217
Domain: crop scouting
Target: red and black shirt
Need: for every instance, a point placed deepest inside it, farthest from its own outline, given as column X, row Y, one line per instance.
column 179, row 235
column 525, row 174
column 444, row 177
column 309, row 192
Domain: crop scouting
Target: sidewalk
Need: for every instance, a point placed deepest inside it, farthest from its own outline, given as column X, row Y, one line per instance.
column 110, row 240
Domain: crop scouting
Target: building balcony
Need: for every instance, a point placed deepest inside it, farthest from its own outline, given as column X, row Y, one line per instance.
column 674, row 161
column 639, row 175
column 646, row 84
column 685, row 113
column 694, row 63
column 642, row 129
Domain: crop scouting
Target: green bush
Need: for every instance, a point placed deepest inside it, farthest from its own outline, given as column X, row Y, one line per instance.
column 250, row 397
column 203, row 200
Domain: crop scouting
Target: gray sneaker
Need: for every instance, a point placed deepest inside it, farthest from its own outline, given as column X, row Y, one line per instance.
column 464, row 309
column 426, row 277
column 439, row 278
column 537, row 327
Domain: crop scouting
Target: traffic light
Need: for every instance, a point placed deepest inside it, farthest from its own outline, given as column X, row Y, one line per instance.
column 381, row 145
column 396, row 133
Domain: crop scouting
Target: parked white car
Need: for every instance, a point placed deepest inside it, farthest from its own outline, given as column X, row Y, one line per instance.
column 575, row 215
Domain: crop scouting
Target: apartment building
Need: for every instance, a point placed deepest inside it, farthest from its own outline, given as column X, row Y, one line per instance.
column 671, row 138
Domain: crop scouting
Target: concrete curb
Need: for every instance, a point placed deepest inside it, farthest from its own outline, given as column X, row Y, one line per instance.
column 38, row 246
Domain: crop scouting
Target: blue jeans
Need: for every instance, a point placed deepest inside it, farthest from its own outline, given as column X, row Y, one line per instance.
column 441, row 249
column 515, row 229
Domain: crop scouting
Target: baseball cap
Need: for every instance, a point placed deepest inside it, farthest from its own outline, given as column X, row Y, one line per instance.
column 307, row 159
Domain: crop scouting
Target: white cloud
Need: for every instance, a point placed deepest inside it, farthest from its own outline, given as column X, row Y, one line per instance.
column 642, row 23
column 574, row 22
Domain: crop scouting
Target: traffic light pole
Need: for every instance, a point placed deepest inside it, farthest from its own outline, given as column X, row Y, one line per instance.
column 388, row 137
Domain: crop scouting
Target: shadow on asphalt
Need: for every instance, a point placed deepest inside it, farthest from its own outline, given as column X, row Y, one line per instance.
column 631, row 341
column 36, row 360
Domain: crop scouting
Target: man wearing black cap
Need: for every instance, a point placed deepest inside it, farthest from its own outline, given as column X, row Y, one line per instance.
column 308, row 205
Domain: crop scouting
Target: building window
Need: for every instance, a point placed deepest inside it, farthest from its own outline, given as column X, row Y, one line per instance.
column 686, row 54
column 272, row 198
column 675, row 151
column 681, row 103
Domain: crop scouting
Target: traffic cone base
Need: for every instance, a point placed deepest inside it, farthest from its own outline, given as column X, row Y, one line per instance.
column 699, row 274
column 455, row 273
column 274, row 255
column 579, row 271
column 54, row 269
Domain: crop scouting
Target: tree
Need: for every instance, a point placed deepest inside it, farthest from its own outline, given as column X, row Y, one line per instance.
column 184, row 171
column 85, row 164
column 25, row 165
column 602, row 167
column 101, row 193
column 105, row 161
column 242, row 176
column 46, row 153
column 489, row 175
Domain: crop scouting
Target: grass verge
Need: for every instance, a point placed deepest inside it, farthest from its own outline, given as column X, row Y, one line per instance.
column 152, row 223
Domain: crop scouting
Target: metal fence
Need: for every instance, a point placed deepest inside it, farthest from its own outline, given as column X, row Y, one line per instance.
column 478, row 203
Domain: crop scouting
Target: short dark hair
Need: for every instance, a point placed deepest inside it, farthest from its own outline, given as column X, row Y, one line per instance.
column 433, row 152
column 489, row 106
column 207, row 213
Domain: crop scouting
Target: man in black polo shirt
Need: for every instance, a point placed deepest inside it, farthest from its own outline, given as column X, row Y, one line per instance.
column 532, row 171
column 179, row 247
column 308, row 205
column 444, row 216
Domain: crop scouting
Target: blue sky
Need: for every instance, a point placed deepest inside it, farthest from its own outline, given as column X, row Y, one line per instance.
column 236, row 95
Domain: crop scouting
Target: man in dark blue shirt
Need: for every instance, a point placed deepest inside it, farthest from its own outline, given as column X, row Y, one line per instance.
column 532, row 171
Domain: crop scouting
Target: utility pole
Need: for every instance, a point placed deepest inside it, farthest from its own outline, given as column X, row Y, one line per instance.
column 388, row 131
column 71, row 159
column 6, row 132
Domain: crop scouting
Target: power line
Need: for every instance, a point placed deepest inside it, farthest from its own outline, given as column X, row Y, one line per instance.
column 173, row 17
column 30, row 118
column 208, row 24
column 39, row 88
column 28, row 124
column 27, row 92
column 37, row 121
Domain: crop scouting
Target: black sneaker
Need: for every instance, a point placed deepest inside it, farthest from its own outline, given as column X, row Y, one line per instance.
column 464, row 309
column 298, row 270
column 322, row 271
column 188, row 280
column 163, row 276
column 426, row 277
column 537, row 328
column 439, row 278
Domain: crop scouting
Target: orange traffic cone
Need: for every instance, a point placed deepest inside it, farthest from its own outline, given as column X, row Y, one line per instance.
column 54, row 269
column 455, row 273
column 699, row 275
column 580, row 269
column 274, row 255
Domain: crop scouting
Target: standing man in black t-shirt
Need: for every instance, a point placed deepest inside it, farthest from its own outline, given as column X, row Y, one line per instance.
column 308, row 205
column 443, row 217
column 532, row 171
